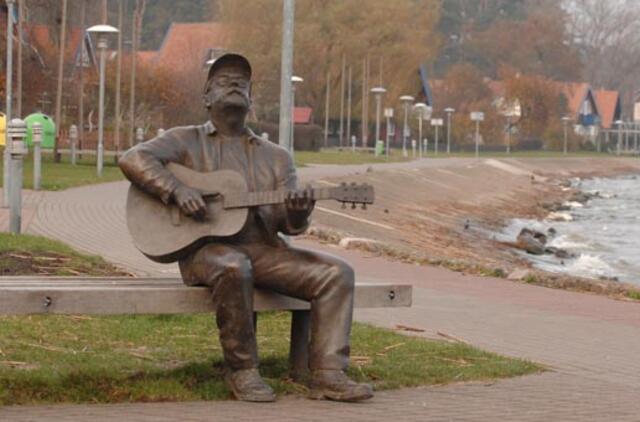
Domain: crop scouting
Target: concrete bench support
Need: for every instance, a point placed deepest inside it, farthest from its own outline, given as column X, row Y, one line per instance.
column 118, row 296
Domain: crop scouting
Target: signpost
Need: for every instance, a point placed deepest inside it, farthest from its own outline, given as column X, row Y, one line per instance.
column 477, row 116
column 388, row 113
column 436, row 123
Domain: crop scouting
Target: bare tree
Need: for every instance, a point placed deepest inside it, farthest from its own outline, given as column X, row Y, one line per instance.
column 608, row 35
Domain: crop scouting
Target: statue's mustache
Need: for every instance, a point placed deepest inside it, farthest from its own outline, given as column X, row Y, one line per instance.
column 234, row 91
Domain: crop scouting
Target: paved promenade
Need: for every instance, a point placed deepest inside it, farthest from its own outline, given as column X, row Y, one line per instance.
column 590, row 343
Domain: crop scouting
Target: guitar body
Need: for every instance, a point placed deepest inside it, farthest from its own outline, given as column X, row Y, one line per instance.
column 164, row 234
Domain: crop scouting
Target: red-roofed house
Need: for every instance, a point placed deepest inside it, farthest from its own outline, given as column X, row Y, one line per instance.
column 187, row 46
column 40, row 40
column 609, row 107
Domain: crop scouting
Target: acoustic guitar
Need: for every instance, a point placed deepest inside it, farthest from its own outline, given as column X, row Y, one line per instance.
column 163, row 233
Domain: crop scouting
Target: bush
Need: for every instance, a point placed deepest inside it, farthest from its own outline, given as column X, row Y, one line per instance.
column 307, row 137
column 529, row 144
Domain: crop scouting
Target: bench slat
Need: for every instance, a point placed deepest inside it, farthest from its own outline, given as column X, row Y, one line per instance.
column 113, row 296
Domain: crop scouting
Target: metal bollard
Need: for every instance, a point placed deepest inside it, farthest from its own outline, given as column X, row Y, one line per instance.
column 139, row 135
column 73, row 138
column 354, row 140
column 160, row 132
column 16, row 133
column 413, row 148
column 36, row 131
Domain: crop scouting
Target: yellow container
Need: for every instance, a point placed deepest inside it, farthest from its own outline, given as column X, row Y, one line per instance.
column 3, row 128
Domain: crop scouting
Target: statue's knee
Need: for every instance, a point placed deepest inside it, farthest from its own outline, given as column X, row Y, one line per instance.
column 343, row 277
column 228, row 267
column 239, row 268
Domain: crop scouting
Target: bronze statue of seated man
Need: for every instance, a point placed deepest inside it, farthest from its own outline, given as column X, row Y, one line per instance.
column 256, row 256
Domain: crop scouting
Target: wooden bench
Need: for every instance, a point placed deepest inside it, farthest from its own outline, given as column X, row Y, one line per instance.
column 119, row 295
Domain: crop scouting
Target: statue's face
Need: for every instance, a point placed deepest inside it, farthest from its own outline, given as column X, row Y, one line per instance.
column 229, row 87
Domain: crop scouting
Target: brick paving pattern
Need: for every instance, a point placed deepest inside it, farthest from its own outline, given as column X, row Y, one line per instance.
column 589, row 342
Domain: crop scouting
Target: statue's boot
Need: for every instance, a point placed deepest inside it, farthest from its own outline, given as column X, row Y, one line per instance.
column 248, row 385
column 335, row 385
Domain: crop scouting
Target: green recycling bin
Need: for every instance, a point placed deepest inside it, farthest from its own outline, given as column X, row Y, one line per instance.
column 48, row 129
column 379, row 148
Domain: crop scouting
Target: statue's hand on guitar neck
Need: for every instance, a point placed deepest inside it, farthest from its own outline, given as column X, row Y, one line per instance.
column 190, row 202
column 300, row 201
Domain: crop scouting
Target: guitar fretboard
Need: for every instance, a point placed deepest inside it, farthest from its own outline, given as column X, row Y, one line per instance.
column 253, row 199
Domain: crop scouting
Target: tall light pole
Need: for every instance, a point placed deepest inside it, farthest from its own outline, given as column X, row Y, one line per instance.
column 286, row 72
column 388, row 113
column 6, row 170
column 378, row 92
column 102, row 31
column 449, row 111
column 407, row 100
column 565, row 123
column 436, row 123
column 477, row 116
column 116, row 132
column 294, row 81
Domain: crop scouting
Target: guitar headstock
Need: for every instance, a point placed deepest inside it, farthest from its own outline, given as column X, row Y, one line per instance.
column 353, row 194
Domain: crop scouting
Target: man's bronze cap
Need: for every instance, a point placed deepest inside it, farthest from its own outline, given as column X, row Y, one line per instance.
column 229, row 58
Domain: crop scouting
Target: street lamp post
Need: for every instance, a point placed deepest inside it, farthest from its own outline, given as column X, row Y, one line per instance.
column 436, row 123
column 102, row 31
column 565, row 123
column 388, row 113
column 294, row 81
column 6, row 173
column 378, row 92
column 449, row 111
column 477, row 116
column 406, row 100
column 286, row 72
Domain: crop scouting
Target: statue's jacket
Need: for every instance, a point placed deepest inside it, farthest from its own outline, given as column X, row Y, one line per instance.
column 270, row 167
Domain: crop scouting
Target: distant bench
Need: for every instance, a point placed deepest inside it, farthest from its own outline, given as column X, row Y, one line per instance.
column 121, row 296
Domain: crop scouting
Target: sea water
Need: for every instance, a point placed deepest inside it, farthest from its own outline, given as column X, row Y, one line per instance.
column 603, row 234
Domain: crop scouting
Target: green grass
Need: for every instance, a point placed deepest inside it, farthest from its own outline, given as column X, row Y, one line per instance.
column 344, row 156
column 63, row 175
column 51, row 359
column 27, row 255
column 521, row 154
column 633, row 294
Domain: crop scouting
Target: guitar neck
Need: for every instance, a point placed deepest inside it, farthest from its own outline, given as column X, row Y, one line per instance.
column 254, row 199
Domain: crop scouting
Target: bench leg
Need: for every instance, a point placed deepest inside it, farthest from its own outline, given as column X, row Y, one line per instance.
column 299, row 352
